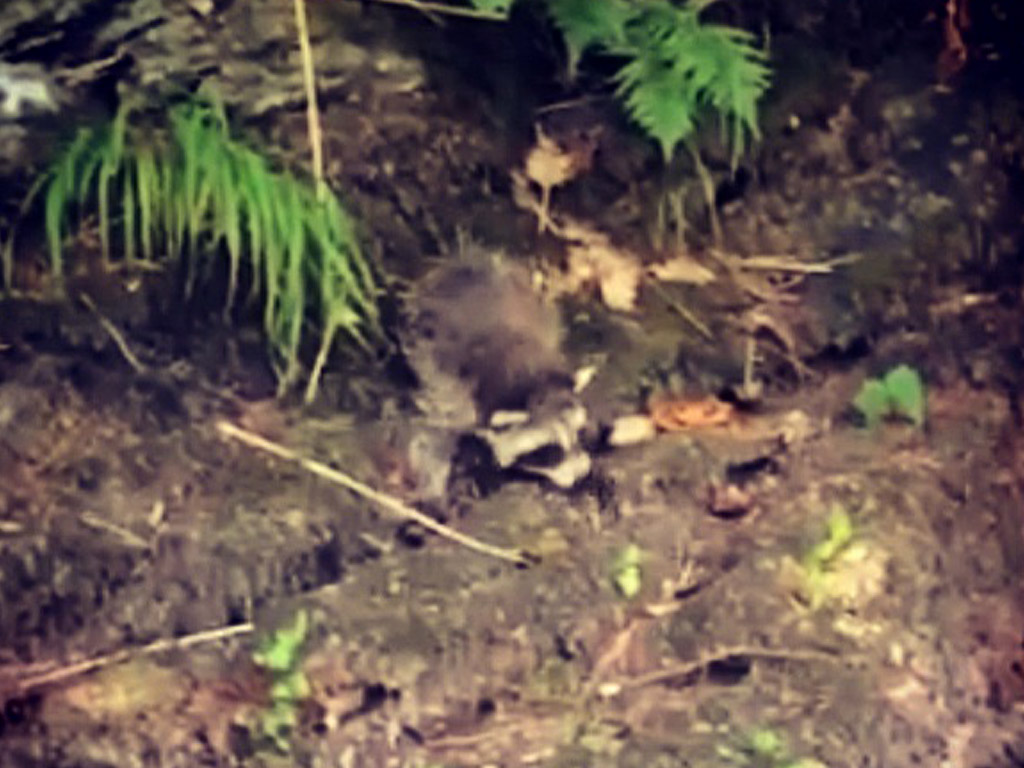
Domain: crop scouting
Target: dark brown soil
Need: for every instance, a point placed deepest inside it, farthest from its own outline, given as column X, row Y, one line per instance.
column 127, row 519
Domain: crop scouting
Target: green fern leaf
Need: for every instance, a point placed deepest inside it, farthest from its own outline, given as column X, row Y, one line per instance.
column 587, row 23
column 656, row 98
column 679, row 71
column 738, row 78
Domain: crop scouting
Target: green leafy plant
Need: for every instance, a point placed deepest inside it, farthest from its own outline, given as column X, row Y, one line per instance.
column 175, row 185
column 280, row 654
column 838, row 535
column 627, row 571
column 763, row 748
column 677, row 69
column 677, row 73
column 817, row 563
column 899, row 393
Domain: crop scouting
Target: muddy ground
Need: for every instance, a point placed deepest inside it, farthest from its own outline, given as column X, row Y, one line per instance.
column 672, row 612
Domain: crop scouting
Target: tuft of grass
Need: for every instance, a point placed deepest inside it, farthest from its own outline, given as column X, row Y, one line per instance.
column 175, row 185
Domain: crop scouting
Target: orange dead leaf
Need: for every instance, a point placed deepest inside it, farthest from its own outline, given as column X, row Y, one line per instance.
column 679, row 415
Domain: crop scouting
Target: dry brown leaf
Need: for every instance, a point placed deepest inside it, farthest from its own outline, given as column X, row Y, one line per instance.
column 682, row 269
column 678, row 415
column 593, row 261
column 616, row 274
column 547, row 164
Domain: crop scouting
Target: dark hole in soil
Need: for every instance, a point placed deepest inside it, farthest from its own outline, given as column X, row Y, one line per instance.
column 328, row 562
column 374, row 696
column 411, row 535
column 23, row 709
column 486, row 707
column 743, row 472
column 729, row 671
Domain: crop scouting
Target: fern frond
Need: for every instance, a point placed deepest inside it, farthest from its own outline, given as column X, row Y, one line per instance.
column 587, row 23
column 656, row 97
column 679, row 69
column 736, row 81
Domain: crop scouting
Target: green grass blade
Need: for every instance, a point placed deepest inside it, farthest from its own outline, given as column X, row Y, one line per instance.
column 128, row 212
column 232, row 199
column 56, row 209
column 263, row 185
column 292, row 223
column 148, row 197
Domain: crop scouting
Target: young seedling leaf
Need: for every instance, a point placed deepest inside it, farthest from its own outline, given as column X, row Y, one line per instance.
column 838, row 535
column 872, row 401
column 279, row 651
column 906, row 393
column 627, row 575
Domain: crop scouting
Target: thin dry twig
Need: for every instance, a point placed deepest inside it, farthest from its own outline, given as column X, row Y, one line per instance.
column 683, row 312
column 792, row 264
column 137, row 365
column 312, row 108
column 390, row 503
column 431, row 10
column 126, row 536
column 66, row 672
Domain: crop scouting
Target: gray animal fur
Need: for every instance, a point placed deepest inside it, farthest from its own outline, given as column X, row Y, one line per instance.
column 481, row 339
column 483, row 342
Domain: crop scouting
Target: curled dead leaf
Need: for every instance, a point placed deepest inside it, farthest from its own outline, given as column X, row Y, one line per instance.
column 615, row 273
column 679, row 415
column 549, row 164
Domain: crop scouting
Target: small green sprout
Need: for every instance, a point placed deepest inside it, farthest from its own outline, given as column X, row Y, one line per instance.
column 280, row 653
column 280, row 650
column 839, row 534
column 626, row 573
column 900, row 393
column 764, row 748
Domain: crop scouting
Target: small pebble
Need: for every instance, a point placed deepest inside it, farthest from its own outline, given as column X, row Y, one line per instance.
column 631, row 430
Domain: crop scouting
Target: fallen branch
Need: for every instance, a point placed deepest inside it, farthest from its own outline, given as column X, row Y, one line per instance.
column 390, row 503
column 29, row 682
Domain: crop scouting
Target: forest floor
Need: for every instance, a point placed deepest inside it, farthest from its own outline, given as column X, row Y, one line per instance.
column 781, row 586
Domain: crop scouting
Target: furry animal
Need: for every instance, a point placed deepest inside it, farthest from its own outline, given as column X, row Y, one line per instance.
column 481, row 340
